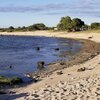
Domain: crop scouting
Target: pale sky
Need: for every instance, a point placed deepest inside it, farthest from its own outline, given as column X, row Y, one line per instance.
column 27, row 12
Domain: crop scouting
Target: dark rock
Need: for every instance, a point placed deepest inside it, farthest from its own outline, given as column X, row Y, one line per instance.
column 37, row 48
column 10, row 67
column 11, row 92
column 57, row 49
column 59, row 73
column 62, row 63
column 81, row 69
column 40, row 65
column 90, row 37
column 35, row 95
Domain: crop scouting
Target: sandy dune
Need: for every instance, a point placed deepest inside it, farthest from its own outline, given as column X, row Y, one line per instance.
column 71, row 85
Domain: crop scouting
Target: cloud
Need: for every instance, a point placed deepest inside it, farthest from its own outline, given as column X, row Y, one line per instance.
column 82, row 7
column 33, row 8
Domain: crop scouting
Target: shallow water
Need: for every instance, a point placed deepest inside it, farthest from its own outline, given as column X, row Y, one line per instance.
column 20, row 52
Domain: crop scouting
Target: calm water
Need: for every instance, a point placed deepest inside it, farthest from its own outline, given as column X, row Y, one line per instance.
column 20, row 52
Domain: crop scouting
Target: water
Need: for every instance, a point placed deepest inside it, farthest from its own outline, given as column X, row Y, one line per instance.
column 20, row 52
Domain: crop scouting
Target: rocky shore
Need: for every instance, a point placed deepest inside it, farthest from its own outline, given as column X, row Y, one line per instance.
column 88, row 51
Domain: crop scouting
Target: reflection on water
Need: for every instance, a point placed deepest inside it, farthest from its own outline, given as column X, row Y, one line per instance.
column 21, row 54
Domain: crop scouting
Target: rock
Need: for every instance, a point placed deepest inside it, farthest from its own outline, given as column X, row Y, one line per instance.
column 59, row 73
column 37, row 48
column 35, row 95
column 62, row 63
column 81, row 69
column 90, row 37
column 56, row 49
column 8, row 67
column 40, row 65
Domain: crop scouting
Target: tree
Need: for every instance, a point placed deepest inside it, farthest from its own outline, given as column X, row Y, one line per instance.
column 95, row 25
column 65, row 23
column 10, row 29
column 77, row 24
column 38, row 26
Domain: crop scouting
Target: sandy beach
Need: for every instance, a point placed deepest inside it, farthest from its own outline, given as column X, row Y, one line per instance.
column 77, row 82
column 83, row 35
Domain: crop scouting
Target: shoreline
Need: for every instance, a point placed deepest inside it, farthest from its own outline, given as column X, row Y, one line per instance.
column 75, row 35
column 88, row 51
column 88, row 57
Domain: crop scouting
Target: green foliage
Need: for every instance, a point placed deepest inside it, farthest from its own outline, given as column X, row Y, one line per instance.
column 67, row 24
column 9, row 81
column 10, row 29
column 2, row 30
column 77, row 24
column 38, row 26
column 95, row 25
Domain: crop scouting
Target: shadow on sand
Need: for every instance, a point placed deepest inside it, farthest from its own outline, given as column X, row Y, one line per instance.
column 12, row 96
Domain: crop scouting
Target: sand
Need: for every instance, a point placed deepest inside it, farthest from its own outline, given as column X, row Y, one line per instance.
column 71, row 84
column 83, row 35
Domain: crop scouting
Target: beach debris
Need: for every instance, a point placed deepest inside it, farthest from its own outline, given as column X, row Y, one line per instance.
column 69, row 74
column 90, row 37
column 28, row 75
column 59, row 73
column 81, row 69
column 11, row 92
column 40, row 65
column 62, row 63
column 35, row 95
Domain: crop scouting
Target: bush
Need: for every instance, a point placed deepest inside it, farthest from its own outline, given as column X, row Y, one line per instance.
column 95, row 25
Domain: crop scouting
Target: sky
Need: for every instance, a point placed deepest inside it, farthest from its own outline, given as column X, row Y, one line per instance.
column 27, row 12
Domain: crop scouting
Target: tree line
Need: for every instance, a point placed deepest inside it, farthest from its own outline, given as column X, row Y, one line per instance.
column 75, row 24
column 34, row 27
column 65, row 24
